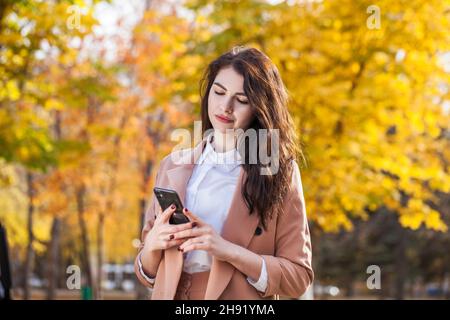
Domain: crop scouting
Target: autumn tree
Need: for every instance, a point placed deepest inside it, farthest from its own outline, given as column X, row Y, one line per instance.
column 368, row 102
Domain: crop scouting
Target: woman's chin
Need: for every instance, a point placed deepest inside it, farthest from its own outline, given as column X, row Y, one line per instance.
column 222, row 127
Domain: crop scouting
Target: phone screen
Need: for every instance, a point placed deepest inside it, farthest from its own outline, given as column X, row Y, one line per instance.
column 167, row 197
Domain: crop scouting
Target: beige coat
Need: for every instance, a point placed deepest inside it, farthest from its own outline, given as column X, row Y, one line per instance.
column 285, row 246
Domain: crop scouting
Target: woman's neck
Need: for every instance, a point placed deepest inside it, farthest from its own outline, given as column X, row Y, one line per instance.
column 223, row 141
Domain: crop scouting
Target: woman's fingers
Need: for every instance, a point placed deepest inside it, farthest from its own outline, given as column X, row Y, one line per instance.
column 165, row 216
column 175, row 228
column 172, row 243
column 189, row 233
column 197, row 243
column 193, row 217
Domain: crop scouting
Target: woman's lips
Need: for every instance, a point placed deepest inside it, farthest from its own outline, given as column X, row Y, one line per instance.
column 224, row 120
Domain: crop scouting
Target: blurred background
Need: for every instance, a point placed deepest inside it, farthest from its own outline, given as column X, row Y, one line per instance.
column 90, row 92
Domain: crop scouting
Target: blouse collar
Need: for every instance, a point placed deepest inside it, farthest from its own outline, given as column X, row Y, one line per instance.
column 230, row 159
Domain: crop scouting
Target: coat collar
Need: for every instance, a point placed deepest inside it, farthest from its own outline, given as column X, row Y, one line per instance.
column 238, row 227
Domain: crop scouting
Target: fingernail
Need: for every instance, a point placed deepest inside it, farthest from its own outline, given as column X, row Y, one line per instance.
column 171, row 237
column 172, row 206
column 194, row 224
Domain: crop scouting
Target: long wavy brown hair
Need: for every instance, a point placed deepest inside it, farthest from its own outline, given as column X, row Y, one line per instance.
column 268, row 97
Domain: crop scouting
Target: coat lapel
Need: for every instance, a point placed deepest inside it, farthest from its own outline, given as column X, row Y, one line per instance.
column 238, row 228
column 178, row 178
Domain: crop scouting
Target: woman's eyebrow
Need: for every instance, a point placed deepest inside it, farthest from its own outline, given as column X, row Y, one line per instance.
column 223, row 87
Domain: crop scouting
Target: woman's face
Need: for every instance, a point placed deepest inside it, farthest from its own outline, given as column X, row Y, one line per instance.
column 228, row 106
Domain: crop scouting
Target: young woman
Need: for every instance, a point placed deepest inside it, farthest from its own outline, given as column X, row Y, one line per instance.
column 248, row 235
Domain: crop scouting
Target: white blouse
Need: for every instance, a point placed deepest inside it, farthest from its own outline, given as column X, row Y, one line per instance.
column 208, row 195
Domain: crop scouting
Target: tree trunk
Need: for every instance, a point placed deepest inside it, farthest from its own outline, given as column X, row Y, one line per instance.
column 53, row 252
column 446, row 289
column 100, row 253
column 109, row 207
column 142, row 292
column 400, row 264
column 350, row 287
column 29, row 253
column 86, row 256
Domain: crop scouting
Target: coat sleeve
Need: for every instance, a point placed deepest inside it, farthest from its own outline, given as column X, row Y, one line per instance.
column 149, row 219
column 290, row 270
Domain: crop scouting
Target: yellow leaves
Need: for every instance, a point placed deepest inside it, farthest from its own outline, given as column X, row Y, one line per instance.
column 13, row 207
column 53, row 104
column 179, row 86
column 434, row 131
column 336, row 70
column 41, row 231
column 441, row 182
column 334, row 221
column 354, row 149
column 372, row 132
column 415, row 204
column 18, row 59
column 69, row 57
column 393, row 202
column 193, row 98
column 337, row 25
column 201, row 20
column 411, row 220
column 12, row 90
column 23, row 153
column 417, row 213
column 372, row 206
column 387, row 183
column 340, row 71
column 431, row 120
column 381, row 58
column 355, row 67
column 433, row 221
column 416, row 122
column 347, row 203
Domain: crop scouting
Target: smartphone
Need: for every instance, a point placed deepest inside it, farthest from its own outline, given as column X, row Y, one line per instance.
column 167, row 197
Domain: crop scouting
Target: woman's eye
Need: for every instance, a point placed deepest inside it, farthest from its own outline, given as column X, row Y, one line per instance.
column 223, row 93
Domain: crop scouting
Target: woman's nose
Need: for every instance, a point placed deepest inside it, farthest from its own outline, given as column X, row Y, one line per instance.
column 228, row 107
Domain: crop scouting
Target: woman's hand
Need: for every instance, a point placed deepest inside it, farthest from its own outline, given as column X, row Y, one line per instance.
column 162, row 235
column 204, row 237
